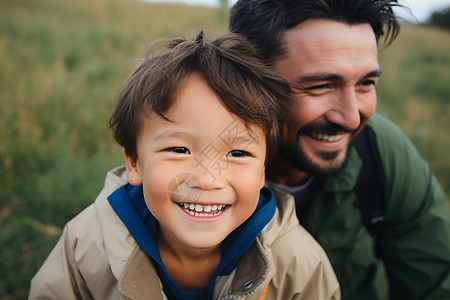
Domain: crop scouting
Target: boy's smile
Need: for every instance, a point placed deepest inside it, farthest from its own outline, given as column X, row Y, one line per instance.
column 199, row 210
column 183, row 191
column 201, row 169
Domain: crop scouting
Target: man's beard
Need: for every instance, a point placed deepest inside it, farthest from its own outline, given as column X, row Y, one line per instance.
column 296, row 157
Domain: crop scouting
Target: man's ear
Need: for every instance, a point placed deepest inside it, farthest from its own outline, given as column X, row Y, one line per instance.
column 134, row 178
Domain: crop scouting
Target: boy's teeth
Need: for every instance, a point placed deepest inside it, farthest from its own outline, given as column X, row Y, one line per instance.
column 202, row 211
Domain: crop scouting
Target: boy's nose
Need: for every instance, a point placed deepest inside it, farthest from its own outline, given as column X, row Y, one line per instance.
column 206, row 179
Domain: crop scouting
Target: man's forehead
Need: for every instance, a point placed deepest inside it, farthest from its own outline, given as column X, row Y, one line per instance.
column 328, row 31
column 320, row 43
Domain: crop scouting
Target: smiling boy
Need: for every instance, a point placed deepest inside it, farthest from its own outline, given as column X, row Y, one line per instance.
column 195, row 221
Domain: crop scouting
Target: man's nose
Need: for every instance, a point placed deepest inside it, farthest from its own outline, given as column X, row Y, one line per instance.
column 345, row 110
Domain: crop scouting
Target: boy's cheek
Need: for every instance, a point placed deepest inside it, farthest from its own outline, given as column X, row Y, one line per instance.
column 263, row 178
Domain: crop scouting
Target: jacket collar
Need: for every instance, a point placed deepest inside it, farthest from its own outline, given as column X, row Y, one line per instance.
column 133, row 284
column 345, row 179
column 251, row 273
column 128, row 261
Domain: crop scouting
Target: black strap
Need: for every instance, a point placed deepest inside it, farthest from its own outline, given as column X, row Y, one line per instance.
column 369, row 189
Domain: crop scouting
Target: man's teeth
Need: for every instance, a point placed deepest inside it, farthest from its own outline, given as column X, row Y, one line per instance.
column 326, row 137
column 202, row 210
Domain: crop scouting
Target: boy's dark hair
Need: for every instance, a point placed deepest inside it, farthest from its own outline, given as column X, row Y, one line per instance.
column 263, row 22
column 230, row 66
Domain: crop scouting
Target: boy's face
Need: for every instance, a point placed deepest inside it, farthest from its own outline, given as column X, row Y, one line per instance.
column 201, row 171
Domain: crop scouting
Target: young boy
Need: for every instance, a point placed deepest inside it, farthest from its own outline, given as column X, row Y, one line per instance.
column 195, row 221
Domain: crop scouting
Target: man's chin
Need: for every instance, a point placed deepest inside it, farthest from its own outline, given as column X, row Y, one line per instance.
column 325, row 168
column 328, row 163
column 321, row 164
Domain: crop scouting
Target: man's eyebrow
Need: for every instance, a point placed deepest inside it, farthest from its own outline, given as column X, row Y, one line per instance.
column 374, row 73
column 319, row 77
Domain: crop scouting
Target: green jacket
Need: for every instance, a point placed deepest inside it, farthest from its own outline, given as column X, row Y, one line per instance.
column 413, row 244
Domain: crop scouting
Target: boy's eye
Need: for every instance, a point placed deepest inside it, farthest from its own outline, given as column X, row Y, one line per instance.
column 183, row 150
column 238, row 153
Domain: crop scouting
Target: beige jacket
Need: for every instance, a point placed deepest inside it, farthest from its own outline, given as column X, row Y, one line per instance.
column 97, row 258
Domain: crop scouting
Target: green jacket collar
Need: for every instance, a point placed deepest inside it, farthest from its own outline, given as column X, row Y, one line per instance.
column 345, row 179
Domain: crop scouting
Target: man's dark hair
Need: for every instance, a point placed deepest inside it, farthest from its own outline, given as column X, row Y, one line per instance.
column 263, row 22
column 230, row 65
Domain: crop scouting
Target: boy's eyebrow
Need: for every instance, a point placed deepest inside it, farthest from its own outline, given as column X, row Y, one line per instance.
column 238, row 140
column 232, row 138
column 171, row 133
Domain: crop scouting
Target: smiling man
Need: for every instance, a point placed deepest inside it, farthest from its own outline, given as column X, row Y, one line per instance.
column 337, row 93
column 360, row 186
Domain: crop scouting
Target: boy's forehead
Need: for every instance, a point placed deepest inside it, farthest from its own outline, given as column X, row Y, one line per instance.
column 197, row 110
column 233, row 133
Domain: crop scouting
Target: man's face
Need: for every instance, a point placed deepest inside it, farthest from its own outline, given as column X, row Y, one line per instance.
column 332, row 68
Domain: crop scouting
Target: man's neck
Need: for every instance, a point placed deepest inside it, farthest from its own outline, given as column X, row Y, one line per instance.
column 281, row 172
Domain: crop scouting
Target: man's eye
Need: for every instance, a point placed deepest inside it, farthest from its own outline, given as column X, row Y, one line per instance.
column 238, row 153
column 368, row 82
column 183, row 150
column 319, row 87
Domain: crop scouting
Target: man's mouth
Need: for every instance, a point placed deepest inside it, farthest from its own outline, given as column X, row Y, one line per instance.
column 199, row 210
column 326, row 137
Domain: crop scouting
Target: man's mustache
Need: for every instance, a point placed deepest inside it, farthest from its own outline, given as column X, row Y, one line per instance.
column 322, row 128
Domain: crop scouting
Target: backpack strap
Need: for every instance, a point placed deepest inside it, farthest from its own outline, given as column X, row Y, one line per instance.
column 369, row 189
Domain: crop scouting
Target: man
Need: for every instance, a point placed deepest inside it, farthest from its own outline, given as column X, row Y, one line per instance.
column 327, row 51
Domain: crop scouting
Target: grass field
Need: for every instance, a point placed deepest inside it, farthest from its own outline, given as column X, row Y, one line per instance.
column 61, row 64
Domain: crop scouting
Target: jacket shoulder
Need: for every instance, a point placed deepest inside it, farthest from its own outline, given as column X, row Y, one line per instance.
column 73, row 262
column 403, row 171
column 302, row 268
column 91, row 253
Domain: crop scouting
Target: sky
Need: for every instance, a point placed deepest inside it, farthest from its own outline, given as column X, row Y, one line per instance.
column 421, row 9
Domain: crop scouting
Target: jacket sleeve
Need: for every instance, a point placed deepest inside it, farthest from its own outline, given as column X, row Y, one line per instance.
column 415, row 241
column 58, row 277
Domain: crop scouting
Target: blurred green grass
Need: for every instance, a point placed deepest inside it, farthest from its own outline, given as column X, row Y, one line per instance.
column 63, row 61
column 414, row 91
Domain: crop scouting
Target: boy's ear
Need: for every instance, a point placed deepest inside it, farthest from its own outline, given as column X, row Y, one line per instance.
column 134, row 178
